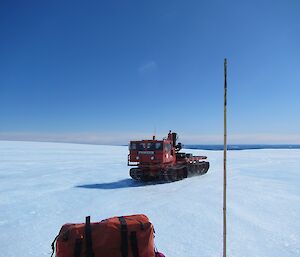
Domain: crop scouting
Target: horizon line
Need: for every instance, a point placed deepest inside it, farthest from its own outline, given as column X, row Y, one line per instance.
column 120, row 144
column 115, row 138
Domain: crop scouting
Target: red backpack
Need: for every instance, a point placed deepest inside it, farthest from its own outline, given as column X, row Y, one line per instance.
column 126, row 236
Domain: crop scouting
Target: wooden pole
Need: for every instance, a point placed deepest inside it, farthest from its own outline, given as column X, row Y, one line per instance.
column 225, row 157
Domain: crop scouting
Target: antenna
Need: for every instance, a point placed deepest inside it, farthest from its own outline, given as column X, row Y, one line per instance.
column 225, row 158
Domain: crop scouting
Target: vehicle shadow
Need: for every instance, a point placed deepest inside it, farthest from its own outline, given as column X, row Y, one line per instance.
column 124, row 183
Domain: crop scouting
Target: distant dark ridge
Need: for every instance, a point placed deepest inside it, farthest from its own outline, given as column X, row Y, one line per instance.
column 241, row 147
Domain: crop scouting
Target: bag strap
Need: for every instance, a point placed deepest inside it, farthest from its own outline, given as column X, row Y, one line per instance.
column 134, row 244
column 53, row 245
column 77, row 247
column 124, row 237
column 88, row 237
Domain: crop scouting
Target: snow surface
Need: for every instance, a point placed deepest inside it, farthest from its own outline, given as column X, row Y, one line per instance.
column 44, row 185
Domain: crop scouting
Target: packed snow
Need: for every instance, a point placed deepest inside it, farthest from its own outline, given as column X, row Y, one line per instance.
column 44, row 185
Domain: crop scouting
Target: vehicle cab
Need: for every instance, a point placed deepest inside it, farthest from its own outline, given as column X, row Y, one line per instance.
column 151, row 152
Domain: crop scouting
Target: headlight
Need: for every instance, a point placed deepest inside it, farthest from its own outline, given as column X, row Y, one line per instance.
column 137, row 158
column 152, row 158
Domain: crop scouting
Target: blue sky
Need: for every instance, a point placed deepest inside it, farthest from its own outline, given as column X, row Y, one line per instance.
column 110, row 71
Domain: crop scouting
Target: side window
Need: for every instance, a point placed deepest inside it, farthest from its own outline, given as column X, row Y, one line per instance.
column 168, row 148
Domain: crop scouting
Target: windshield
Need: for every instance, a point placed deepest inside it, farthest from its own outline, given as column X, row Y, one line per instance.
column 133, row 146
column 150, row 146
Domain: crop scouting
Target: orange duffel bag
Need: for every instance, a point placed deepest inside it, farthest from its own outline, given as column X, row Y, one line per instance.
column 126, row 236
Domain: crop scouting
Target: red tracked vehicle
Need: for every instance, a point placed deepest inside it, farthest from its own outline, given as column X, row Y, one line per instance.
column 161, row 160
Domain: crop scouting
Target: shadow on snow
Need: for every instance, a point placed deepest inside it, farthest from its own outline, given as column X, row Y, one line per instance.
column 124, row 183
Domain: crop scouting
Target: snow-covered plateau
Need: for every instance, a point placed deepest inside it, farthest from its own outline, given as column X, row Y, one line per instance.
column 44, row 185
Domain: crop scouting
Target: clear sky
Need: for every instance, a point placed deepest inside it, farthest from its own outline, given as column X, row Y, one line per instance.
column 110, row 71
